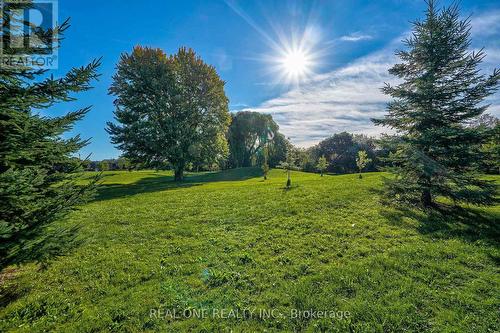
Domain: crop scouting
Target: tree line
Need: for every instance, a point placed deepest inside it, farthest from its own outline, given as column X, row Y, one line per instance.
column 253, row 139
column 337, row 154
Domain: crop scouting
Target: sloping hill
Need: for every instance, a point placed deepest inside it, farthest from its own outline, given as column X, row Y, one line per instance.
column 179, row 257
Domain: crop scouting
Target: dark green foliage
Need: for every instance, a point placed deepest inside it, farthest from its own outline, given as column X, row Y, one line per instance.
column 441, row 93
column 171, row 110
column 104, row 166
column 341, row 149
column 491, row 151
column 123, row 164
column 490, row 163
column 305, row 159
column 248, row 133
column 277, row 149
column 36, row 163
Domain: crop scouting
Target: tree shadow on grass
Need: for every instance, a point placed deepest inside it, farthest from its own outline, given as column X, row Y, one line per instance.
column 144, row 185
column 154, row 182
column 446, row 222
column 9, row 289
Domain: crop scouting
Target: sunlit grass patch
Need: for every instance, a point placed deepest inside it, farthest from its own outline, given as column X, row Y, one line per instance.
column 232, row 241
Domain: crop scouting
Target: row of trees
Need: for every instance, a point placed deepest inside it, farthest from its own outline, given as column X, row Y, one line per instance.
column 340, row 152
column 337, row 154
column 108, row 164
column 254, row 140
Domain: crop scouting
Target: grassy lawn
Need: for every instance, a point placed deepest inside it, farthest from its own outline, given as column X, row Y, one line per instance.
column 230, row 241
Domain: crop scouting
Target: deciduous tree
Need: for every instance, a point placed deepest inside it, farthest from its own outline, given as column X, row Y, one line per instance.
column 265, row 164
column 340, row 151
column 170, row 109
column 322, row 165
column 248, row 133
column 362, row 161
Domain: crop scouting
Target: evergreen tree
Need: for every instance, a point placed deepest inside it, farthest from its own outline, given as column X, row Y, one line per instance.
column 37, row 169
column 171, row 109
column 440, row 93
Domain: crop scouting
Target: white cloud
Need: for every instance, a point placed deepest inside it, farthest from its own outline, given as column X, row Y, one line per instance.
column 342, row 100
column 495, row 109
column 486, row 35
column 355, row 37
column 347, row 98
column 486, row 24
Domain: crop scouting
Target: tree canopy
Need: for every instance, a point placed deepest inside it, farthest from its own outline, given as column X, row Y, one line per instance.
column 322, row 165
column 340, row 151
column 170, row 109
column 248, row 133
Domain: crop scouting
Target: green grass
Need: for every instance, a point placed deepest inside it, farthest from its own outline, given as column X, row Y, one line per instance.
column 231, row 241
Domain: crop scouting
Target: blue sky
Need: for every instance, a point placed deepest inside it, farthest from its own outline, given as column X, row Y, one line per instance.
column 352, row 41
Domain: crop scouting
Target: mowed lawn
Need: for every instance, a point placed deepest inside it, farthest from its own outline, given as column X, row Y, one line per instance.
column 229, row 241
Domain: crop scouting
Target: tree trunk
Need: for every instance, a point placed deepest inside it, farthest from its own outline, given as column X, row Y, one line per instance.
column 426, row 197
column 179, row 174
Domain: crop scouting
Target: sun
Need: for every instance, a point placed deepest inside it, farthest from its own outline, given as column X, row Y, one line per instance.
column 294, row 53
column 296, row 63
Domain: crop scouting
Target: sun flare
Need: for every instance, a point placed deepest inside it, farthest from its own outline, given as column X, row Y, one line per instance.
column 296, row 63
column 296, row 59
